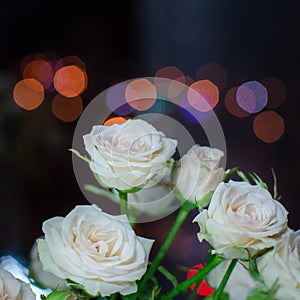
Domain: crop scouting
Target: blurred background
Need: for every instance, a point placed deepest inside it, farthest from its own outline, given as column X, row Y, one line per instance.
column 62, row 54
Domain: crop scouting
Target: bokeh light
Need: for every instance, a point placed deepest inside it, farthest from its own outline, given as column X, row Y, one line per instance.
column 192, row 114
column 268, row 126
column 41, row 70
column 252, row 96
column 215, row 73
column 141, row 94
column 70, row 60
column 67, row 109
column 175, row 89
column 185, row 79
column 29, row 93
column 203, row 95
column 30, row 58
column 115, row 120
column 277, row 91
column 70, row 81
column 232, row 106
column 116, row 102
column 170, row 72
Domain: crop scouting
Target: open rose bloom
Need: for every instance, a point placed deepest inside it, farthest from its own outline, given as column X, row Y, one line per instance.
column 129, row 155
column 241, row 220
column 12, row 288
column 96, row 250
column 282, row 264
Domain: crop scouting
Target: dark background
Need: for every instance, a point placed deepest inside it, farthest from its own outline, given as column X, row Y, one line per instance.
column 120, row 40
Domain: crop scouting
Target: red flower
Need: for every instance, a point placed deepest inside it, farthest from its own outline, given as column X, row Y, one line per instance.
column 204, row 289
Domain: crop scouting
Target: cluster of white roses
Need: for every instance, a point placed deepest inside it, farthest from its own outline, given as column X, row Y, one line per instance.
column 243, row 222
column 90, row 253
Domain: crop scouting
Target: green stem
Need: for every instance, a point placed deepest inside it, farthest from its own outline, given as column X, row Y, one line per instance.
column 182, row 287
column 222, row 285
column 183, row 212
column 193, row 293
column 123, row 203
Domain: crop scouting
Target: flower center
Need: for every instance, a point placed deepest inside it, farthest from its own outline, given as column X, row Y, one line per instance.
column 101, row 247
column 249, row 211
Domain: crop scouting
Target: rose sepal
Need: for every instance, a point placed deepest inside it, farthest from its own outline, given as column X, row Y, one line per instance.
column 204, row 201
column 77, row 153
column 228, row 173
column 97, row 177
column 95, row 190
column 78, row 290
column 181, row 199
column 261, row 292
column 133, row 190
column 61, row 295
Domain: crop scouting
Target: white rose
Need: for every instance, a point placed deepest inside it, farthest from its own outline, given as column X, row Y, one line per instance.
column 129, row 155
column 10, row 264
column 43, row 278
column 12, row 288
column 198, row 172
column 99, row 251
column 241, row 220
column 156, row 201
column 153, row 202
column 240, row 281
column 283, row 264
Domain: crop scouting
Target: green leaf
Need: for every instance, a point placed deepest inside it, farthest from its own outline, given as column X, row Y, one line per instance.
column 95, row 190
column 61, row 295
column 154, row 293
column 228, row 173
column 242, row 175
column 73, row 285
column 150, row 293
column 261, row 292
column 168, row 275
column 78, row 290
column 275, row 190
column 79, row 155
column 257, row 180
column 205, row 200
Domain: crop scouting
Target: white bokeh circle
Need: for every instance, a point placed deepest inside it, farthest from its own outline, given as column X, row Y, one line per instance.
column 153, row 202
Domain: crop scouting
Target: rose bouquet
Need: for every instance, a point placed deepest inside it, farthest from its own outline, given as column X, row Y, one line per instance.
column 91, row 254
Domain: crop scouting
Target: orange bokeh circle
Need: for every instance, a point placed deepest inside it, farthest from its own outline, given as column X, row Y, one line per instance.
column 70, row 81
column 29, row 93
column 67, row 109
column 268, row 126
column 203, row 95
